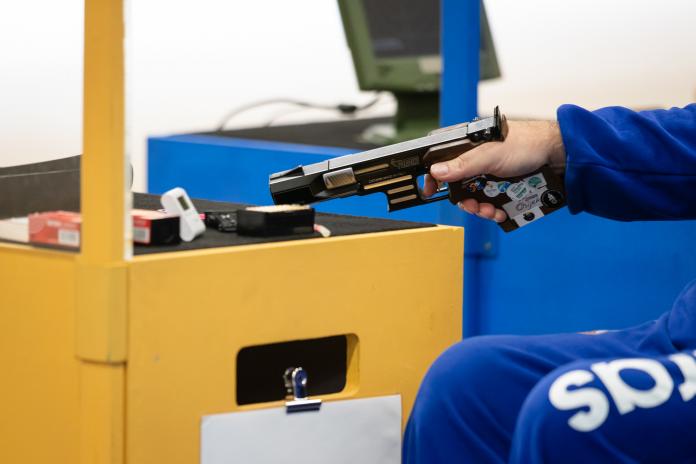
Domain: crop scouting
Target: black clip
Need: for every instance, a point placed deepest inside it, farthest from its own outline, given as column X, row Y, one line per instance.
column 295, row 379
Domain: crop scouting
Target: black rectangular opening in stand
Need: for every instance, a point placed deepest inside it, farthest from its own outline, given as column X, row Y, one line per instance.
column 260, row 368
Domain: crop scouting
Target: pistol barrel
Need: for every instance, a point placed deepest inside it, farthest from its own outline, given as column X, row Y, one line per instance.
column 393, row 169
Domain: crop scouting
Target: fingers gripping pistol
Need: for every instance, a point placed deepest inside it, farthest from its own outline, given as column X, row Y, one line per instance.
column 394, row 171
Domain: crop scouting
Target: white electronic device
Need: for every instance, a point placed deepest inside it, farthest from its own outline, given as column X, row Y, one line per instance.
column 177, row 202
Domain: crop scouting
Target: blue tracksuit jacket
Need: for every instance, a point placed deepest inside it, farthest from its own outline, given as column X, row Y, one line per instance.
column 618, row 396
column 630, row 165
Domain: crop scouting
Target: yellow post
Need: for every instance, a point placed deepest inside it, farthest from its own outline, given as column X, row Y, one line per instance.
column 103, row 163
column 101, row 288
column 101, row 299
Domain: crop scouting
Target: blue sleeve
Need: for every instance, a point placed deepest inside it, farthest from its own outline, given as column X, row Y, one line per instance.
column 629, row 165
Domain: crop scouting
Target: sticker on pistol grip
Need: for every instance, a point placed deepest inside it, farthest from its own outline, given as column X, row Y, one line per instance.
column 516, row 208
column 536, row 181
column 518, row 191
column 491, row 189
column 530, row 216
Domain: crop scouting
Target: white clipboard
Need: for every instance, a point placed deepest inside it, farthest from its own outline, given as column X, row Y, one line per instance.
column 363, row 431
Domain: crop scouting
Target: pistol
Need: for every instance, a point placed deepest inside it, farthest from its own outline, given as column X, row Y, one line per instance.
column 394, row 170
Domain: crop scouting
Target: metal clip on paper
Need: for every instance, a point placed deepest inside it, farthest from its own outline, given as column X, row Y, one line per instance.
column 296, row 388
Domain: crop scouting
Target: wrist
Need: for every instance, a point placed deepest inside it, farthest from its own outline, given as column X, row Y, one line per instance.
column 555, row 148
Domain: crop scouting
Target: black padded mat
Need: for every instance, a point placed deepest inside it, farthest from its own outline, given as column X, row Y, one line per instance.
column 54, row 185
column 50, row 185
column 338, row 225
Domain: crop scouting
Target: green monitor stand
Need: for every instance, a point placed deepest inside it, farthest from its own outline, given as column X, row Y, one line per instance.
column 417, row 114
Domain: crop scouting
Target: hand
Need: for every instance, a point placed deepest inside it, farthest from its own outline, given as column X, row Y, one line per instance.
column 528, row 146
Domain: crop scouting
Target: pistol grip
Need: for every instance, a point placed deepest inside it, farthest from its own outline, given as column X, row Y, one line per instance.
column 524, row 198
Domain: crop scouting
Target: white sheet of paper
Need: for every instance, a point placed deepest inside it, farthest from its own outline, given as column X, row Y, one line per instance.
column 361, row 431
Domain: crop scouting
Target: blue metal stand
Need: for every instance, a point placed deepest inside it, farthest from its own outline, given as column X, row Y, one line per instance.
column 459, row 48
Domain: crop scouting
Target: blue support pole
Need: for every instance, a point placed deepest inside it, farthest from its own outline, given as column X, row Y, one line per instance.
column 459, row 47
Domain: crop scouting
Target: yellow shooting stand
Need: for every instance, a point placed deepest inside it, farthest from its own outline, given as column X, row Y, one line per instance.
column 111, row 359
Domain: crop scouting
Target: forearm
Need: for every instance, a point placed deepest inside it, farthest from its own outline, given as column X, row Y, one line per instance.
column 630, row 165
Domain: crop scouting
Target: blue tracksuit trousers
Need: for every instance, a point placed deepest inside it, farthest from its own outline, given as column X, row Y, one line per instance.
column 626, row 396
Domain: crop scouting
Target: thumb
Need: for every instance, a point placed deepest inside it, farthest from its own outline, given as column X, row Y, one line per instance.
column 480, row 160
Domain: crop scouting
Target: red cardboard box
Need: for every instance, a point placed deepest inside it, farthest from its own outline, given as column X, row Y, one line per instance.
column 155, row 228
column 62, row 228
column 55, row 228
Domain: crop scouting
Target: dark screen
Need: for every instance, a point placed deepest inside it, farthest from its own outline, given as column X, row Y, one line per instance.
column 184, row 204
column 403, row 27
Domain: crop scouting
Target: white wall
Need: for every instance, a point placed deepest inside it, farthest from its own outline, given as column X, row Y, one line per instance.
column 40, row 80
column 594, row 53
column 191, row 61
